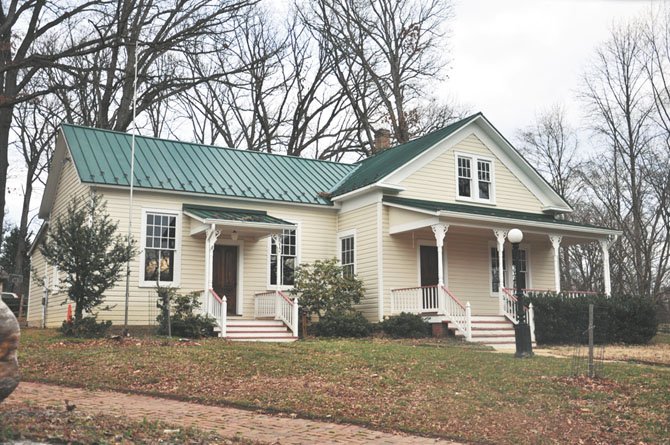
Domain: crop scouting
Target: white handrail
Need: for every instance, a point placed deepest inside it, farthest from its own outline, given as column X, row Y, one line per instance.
column 217, row 308
column 509, row 305
column 277, row 305
column 457, row 313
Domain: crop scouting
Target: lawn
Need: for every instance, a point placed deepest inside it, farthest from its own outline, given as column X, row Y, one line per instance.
column 434, row 388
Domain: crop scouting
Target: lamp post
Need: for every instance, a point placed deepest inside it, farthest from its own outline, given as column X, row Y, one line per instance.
column 524, row 347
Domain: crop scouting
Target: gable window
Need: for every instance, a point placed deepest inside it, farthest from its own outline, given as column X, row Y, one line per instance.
column 287, row 258
column 474, row 178
column 160, row 247
column 348, row 254
column 464, row 177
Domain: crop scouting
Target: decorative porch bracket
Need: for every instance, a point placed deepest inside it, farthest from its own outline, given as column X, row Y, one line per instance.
column 501, row 236
column 605, row 245
column 556, row 243
column 440, row 230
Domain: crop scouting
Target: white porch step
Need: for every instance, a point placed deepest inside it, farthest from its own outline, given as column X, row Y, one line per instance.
column 264, row 330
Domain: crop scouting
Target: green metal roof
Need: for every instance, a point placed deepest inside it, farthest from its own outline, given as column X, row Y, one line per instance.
column 435, row 206
column 103, row 157
column 228, row 214
column 374, row 168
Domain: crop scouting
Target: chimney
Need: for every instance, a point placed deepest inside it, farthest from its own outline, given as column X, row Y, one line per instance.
column 382, row 140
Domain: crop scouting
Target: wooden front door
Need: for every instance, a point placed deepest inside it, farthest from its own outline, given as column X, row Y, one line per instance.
column 224, row 275
column 429, row 277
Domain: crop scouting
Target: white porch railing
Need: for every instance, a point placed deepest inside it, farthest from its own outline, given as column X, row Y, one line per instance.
column 217, row 307
column 509, row 304
column 437, row 299
column 279, row 306
column 459, row 314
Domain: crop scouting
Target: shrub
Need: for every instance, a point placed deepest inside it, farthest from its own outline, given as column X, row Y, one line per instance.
column 617, row 319
column 406, row 325
column 343, row 324
column 323, row 288
column 87, row 327
column 185, row 317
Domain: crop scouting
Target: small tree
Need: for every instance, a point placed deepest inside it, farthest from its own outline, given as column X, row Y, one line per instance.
column 323, row 288
column 84, row 245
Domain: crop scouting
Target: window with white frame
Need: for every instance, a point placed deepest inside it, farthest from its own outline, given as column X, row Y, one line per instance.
column 508, row 274
column 347, row 255
column 477, row 187
column 160, row 247
column 287, row 258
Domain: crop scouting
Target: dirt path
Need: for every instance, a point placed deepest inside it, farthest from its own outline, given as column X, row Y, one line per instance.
column 228, row 422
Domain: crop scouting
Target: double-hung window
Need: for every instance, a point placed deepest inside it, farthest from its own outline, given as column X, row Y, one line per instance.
column 287, row 258
column 348, row 253
column 474, row 178
column 160, row 247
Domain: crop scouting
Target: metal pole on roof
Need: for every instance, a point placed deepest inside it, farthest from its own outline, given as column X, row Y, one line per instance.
column 130, row 198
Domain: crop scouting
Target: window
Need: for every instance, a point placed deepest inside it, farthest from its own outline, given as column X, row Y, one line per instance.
column 464, row 177
column 484, row 175
column 288, row 258
column 160, row 247
column 347, row 258
column 470, row 187
column 495, row 275
column 523, row 269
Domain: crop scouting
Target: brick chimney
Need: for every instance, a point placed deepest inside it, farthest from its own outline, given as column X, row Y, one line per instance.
column 382, row 140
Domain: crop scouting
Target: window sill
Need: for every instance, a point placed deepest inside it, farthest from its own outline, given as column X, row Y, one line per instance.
column 476, row 201
column 150, row 284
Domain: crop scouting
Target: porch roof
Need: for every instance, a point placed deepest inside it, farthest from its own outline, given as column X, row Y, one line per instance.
column 447, row 209
column 231, row 216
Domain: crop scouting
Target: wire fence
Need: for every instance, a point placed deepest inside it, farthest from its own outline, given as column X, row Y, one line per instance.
column 590, row 337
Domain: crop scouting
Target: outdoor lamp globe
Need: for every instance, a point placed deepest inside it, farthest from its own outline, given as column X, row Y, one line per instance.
column 515, row 236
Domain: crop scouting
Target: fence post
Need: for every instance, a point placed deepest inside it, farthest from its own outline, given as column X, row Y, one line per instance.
column 294, row 317
column 277, row 305
column 468, row 321
column 591, row 327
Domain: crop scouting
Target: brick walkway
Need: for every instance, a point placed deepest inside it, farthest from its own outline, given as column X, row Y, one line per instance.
column 228, row 422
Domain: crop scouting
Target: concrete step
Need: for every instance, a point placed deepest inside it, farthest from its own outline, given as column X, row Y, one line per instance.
column 251, row 322
column 264, row 340
column 265, row 334
column 489, row 318
column 252, row 328
column 492, row 332
column 492, row 325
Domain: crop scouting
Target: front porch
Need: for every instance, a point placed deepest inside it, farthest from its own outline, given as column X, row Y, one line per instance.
column 455, row 267
column 230, row 235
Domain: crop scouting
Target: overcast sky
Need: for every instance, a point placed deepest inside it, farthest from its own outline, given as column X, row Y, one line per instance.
column 509, row 59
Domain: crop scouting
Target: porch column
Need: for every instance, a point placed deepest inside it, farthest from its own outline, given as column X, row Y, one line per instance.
column 211, row 235
column 501, row 235
column 605, row 246
column 440, row 230
column 556, row 243
column 276, row 239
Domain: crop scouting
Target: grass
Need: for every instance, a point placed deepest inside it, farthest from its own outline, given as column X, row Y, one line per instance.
column 434, row 388
column 56, row 425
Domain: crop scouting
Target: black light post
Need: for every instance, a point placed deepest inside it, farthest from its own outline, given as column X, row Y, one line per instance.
column 524, row 347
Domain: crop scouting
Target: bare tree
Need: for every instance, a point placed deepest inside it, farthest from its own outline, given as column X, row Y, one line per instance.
column 621, row 110
column 23, row 26
column 385, row 53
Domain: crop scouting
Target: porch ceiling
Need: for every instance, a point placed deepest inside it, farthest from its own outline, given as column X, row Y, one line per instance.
column 407, row 215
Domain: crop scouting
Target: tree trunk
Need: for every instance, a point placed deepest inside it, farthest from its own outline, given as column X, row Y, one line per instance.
column 6, row 114
column 23, row 231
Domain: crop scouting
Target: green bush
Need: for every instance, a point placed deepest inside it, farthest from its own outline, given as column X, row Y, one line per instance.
column 406, row 325
column 343, row 324
column 87, row 327
column 560, row 319
column 185, row 317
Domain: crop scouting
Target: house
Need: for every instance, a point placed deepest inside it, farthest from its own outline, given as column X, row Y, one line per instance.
column 423, row 224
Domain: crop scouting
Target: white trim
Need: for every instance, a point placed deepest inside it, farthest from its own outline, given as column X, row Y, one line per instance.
column 509, row 222
column 178, row 247
column 413, row 225
column 239, row 292
column 494, row 245
column 445, row 259
column 231, row 223
column 359, row 201
column 298, row 255
column 380, row 259
column 381, row 186
column 347, row 234
column 213, row 197
column 474, row 178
